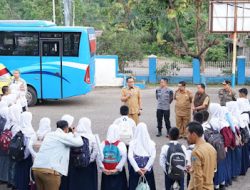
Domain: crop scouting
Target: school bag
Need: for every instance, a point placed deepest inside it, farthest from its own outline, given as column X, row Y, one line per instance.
column 228, row 136
column 245, row 136
column 111, row 155
column 141, row 161
column 142, row 184
column 80, row 156
column 126, row 133
column 176, row 162
column 214, row 138
column 2, row 123
column 17, row 147
column 5, row 139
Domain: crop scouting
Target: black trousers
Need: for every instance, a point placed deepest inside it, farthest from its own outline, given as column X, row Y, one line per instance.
column 163, row 114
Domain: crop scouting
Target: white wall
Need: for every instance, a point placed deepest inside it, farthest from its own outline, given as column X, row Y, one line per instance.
column 106, row 71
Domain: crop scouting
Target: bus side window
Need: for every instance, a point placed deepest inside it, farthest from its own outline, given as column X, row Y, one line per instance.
column 6, row 43
column 19, row 43
column 71, row 44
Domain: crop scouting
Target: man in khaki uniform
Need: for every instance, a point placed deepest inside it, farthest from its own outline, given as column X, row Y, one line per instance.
column 131, row 97
column 226, row 94
column 183, row 105
column 203, row 160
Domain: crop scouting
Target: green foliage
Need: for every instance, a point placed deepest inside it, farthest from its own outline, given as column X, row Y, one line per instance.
column 147, row 25
column 124, row 44
column 216, row 53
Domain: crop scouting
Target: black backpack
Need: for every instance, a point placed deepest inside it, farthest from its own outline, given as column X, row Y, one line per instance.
column 17, row 147
column 214, row 138
column 80, row 156
column 176, row 162
column 2, row 123
column 245, row 135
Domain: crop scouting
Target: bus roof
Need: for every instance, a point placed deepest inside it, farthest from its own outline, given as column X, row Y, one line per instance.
column 26, row 23
column 38, row 26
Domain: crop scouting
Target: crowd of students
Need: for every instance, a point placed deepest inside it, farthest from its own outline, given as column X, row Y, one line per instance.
column 70, row 157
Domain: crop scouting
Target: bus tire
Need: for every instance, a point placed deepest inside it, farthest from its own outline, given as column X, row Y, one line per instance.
column 31, row 96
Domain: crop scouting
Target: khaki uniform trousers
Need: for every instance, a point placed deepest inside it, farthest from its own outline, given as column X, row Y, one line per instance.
column 47, row 179
column 135, row 117
column 181, row 124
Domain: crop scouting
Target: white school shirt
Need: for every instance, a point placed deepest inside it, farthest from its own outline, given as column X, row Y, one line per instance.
column 189, row 154
column 164, row 154
column 133, row 163
column 15, row 89
column 123, row 152
column 55, row 149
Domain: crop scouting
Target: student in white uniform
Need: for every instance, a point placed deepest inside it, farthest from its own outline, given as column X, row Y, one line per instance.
column 244, row 108
column 217, row 123
column 84, row 177
column 112, row 165
column 126, row 125
column 169, row 150
column 4, row 157
column 236, row 123
column 22, row 169
column 142, row 153
column 36, row 142
column 18, row 87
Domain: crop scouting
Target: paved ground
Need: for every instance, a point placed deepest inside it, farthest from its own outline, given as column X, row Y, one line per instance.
column 102, row 107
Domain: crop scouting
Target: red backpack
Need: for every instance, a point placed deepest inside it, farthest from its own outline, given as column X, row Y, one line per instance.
column 5, row 139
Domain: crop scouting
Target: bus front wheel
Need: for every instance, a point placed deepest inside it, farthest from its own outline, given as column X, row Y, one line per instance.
column 31, row 96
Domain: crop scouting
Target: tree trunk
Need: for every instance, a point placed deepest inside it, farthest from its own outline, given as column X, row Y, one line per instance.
column 202, row 63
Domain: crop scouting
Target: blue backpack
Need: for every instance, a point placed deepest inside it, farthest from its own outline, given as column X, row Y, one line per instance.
column 111, row 155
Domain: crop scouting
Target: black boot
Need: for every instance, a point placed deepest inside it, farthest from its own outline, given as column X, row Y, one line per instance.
column 159, row 134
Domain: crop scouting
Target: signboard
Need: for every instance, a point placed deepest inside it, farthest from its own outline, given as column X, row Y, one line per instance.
column 222, row 16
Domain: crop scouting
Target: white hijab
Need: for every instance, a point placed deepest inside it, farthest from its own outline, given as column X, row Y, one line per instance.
column 142, row 142
column 44, row 128
column 113, row 133
column 84, row 128
column 244, row 106
column 68, row 118
column 215, row 114
column 233, row 108
column 26, row 126
column 4, row 112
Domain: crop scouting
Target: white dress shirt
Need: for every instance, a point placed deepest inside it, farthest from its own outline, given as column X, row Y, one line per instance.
column 164, row 154
column 55, row 149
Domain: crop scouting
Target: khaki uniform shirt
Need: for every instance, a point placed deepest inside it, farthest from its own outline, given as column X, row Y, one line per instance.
column 226, row 96
column 183, row 103
column 133, row 101
column 204, row 164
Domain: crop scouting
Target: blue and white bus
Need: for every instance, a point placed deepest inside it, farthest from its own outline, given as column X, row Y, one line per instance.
column 56, row 61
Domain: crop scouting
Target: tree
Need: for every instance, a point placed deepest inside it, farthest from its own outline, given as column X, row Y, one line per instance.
column 189, row 34
column 124, row 44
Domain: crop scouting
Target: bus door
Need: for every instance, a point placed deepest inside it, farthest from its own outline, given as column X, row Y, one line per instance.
column 51, row 68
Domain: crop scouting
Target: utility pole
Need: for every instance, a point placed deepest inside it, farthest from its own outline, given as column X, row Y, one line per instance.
column 74, row 12
column 54, row 11
column 67, row 4
column 234, row 42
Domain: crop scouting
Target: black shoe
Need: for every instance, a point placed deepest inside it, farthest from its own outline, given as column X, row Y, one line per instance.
column 222, row 187
column 159, row 134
